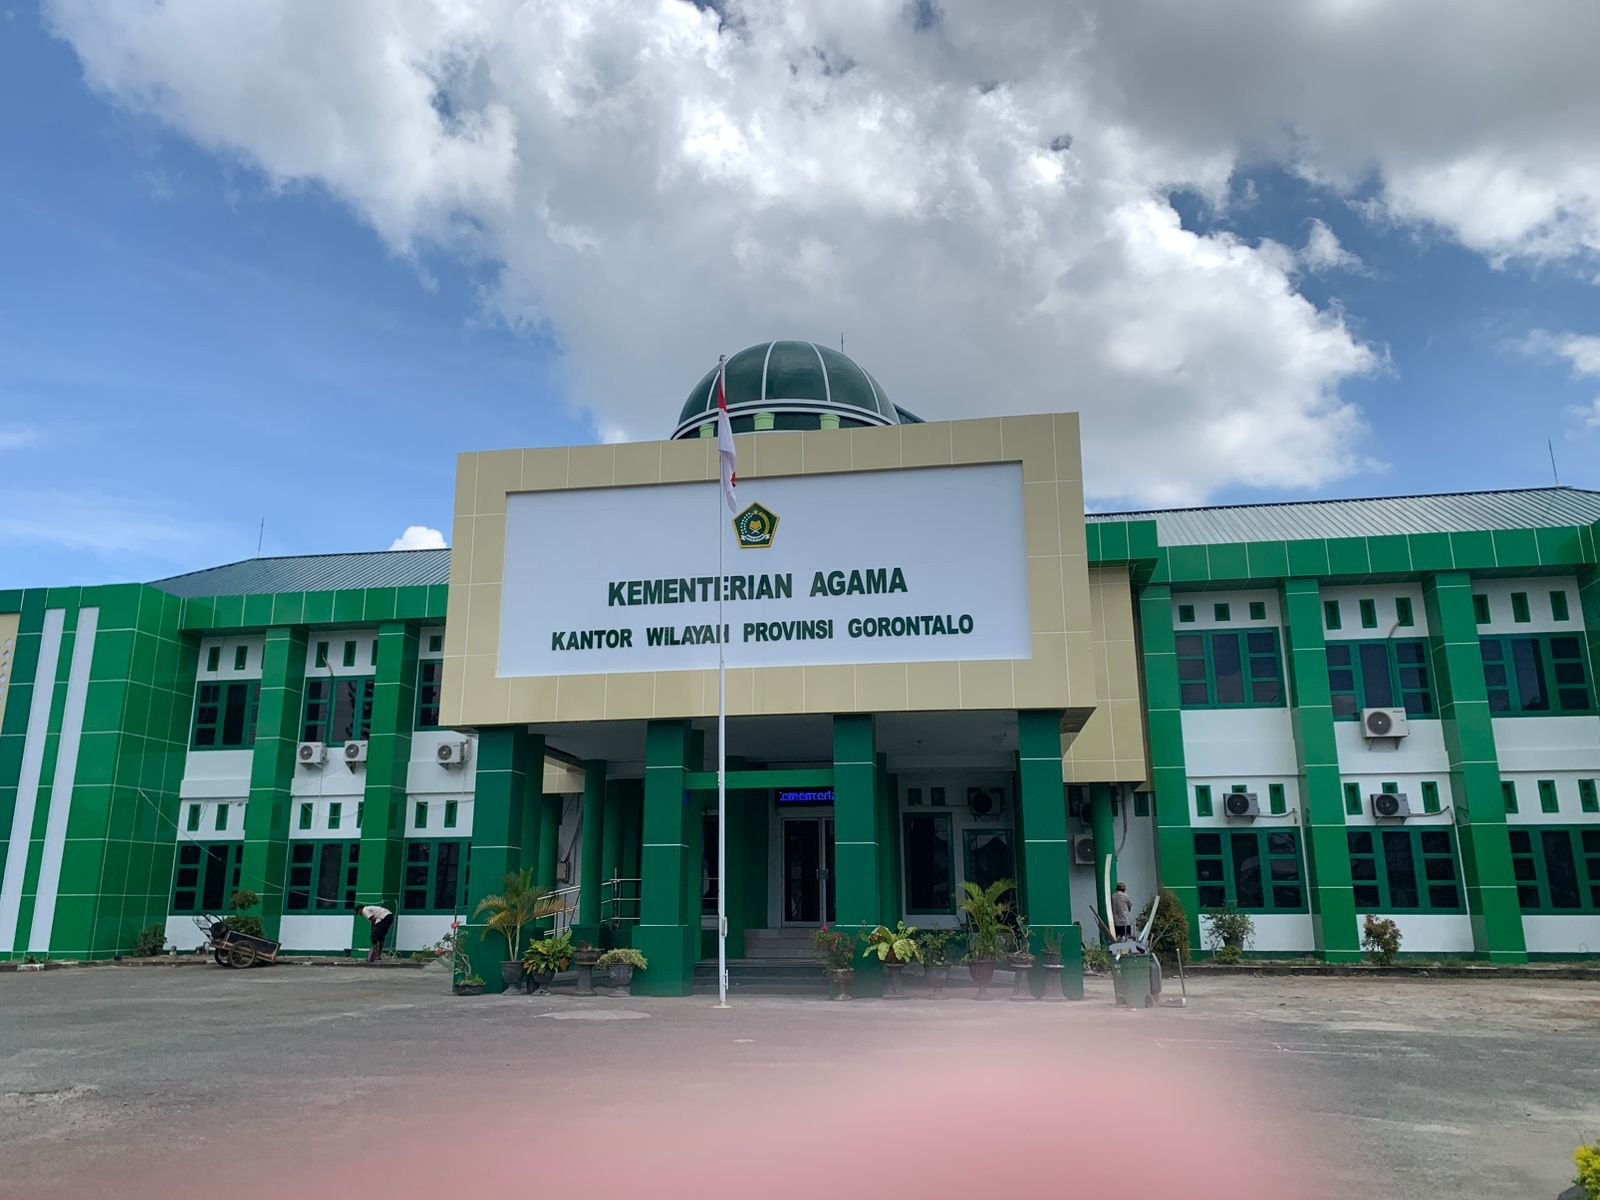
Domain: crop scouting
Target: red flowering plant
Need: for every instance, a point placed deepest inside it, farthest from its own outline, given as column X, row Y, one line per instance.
column 835, row 949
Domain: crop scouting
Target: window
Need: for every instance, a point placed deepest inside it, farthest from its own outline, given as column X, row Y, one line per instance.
column 1330, row 614
column 1369, row 614
column 225, row 715
column 1508, row 794
column 419, row 814
column 308, row 812
column 1558, row 606
column 338, row 710
column 1519, row 608
column 207, row 876
column 241, row 657
column 1430, row 796
column 1480, row 609
column 1258, row 610
column 1548, row 802
column 222, row 817
column 435, row 643
column 1403, row 616
column 1404, row 870
column 1385, row 674
column 1141, row 803
column 1533, row 675
column 349, row 654
column 1221, row 612
column 929, row 863
column 1230, row 670
column 988, row 856
column 429, row 674
column 213, row 658
column 1202, row 800
column 193, row 822
column 450, row 812
column 1258, row 870
column 373, row 658
column 1557, row 869
column 335, row 814
column 322, row 654
column 1587, row 800
column 1352, row 799
column 435, row 880
column 322, row 876
column 1186, row 614
column 1275, row 801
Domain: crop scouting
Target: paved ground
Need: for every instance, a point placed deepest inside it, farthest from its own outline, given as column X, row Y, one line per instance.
column 295, row 1081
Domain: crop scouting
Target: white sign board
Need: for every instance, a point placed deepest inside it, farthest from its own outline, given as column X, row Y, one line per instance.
column 918, row 565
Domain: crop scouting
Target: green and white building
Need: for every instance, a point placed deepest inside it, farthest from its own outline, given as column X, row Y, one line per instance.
column 940, row 670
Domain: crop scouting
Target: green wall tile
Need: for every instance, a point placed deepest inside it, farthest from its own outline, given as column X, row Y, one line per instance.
column 288, row 608
column 258, row 611
column 319, row 608
column 1348, row 556
column 1113, row 541
column 1143, row 539
column 1515, row 547
column 438, row 599
column 349, row 606
column 1188, row 564
column 411, row 603
column 1473, row 551
column 1389, row 555
column 1229, row 562
column 1560, row 546
column 1308, row 557
column 1268, row 560
column 1431, row 551
column 379, row 604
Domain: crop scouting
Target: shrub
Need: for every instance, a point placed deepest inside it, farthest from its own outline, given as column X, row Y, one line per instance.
column 1380, row 937
column 1169, row 936
column 152, row 940
column 1227, row 926
column 1096, row 959
column 249, row 926
column 899, row 944
column 835, row 949
column 623, row 956
column 1587, row 1160
column 1229, row 956
column 934, row 945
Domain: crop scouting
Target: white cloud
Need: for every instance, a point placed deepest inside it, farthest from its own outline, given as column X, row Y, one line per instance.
column 1582, row 351
column 1322, row 251
column 419, row 537
column 1587, row 414
column 977, row 201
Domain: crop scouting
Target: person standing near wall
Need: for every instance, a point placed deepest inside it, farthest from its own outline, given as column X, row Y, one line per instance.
column 1122, row 913
column 380, row 919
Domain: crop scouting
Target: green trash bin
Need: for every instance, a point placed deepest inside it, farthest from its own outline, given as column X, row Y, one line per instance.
column 1130, row 977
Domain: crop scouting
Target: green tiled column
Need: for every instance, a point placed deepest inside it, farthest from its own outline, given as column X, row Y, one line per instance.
column 1104, row 829
column 1457, row 664
column 857, row 810
column 506, row 755
column 1169, row 777
column 889, row 890
column 591, row 852
column 1046, row 857
column 549, row 840
column 667, row 935
column 278, row 724
column 383, row 819
column 1322, row 827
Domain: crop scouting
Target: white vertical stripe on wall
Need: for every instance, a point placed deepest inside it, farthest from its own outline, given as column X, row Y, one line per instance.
column 44, row 687
column 55, row 830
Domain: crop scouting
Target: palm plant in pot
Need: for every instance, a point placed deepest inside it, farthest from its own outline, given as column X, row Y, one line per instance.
column 1019, row 953
column 519, row 903
column 983, row 912
column 622, row 962
column 894, row 948
column 835, row 950
column 545, row 958
column 934, row 945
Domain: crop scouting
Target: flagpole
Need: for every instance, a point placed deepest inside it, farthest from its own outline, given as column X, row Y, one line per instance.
column 722, row 750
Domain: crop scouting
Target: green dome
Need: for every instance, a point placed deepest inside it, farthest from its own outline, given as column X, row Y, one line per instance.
column 790, row 385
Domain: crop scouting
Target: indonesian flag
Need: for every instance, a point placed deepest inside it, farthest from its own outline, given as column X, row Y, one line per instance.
column 725, row 450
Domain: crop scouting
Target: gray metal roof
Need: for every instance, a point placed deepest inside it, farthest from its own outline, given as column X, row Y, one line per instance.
column 1451, row 512
column 314, row 573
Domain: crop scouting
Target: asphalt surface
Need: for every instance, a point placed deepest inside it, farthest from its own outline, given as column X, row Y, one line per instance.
column 171, row 1082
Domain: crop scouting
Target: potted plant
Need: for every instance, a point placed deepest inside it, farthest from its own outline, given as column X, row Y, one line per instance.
column 1019, row 954
column 546, row 958
column 894, row 948
column 519, row 902
column 622, row 963
column 1227, row 927
column 1050, row 959
column 835, row 950
column 584, row 956
column 934, row 945
column 983, row 911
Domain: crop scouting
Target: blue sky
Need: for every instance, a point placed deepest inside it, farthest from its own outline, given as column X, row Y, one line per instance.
column 190, row 345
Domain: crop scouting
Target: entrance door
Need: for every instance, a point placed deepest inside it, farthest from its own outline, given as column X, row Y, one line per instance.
column 808, row 887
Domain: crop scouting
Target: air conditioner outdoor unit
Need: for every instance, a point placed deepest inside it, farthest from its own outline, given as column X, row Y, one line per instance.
column 355, row 752
column 1384, row 722
column 1391, row 804
column 985, row 804
column 1083, row 851
column 1241, row 806
column 451, row 754
column 311, row 754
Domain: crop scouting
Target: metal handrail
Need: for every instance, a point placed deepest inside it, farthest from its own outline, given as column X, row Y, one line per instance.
column 616, row 907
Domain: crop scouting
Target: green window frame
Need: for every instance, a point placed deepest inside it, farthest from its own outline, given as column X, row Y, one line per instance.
column 1558, row 607
column 1202, row 800
column 213, row 658
column 372, row 658
column 308, row 814
column 1403, row 616
column 1257, row 870
column 435, row 643
column 1221, row 612
column 1508, row 794
column 928, row 838
column 1352, row 799
column 1519, row 608
column 1588, row 801
column 1430, row 796
column 1141, row 804
column 1186, row 614
column 1369, row 614
column 192, row 822
column 430, row 677
column 1405, row 870
column 452, row 809
column 1556, row 867
column 419, row 814
column 1258, row 610
column 241, row 657
column 322, row 654
column 335, row 814
column 225, row 715
column 1537, row 675
column 1380, row 673
column 1480, row 608
column 1227, row 669
column 1549, row 801
column 206, row 876
column 1330, row 614
column 322, row 876
column 222, row 817
column 338, row 710
column 1276, row 804
column 349, row 658
column 435, row 879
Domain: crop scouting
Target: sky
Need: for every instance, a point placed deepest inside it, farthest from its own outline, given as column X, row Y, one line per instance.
column 266, row 268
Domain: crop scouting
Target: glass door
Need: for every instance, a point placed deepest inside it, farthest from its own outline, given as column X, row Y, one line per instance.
column 808, row 887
